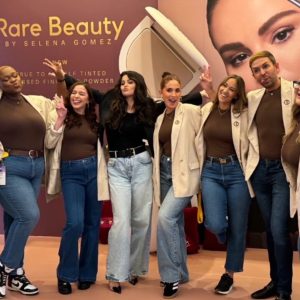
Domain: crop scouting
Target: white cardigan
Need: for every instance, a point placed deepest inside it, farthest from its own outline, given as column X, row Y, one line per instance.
column 53, row 142
column 185, row 156
column 239, row 125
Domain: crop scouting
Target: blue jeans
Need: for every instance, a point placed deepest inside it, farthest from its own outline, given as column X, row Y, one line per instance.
column 19, row 201
column 171, row 242
column 83, row 212
column 226, row 202
column 130, row 181
column 273, row 198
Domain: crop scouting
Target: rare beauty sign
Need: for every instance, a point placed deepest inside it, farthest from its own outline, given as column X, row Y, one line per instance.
column 86, row 36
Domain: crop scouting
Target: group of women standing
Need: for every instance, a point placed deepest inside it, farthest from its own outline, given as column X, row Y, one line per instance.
column 179, row 149
column 187, row 144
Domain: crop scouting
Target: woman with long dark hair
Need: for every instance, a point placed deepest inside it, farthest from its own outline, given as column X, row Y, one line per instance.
column 74, row 137
column 128, row 125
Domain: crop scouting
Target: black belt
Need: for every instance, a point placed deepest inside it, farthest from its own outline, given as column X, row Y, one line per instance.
column 30, row 153
column 222, row 160
column 127, row 152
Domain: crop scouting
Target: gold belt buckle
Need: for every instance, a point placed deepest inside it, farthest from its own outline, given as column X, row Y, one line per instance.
column 5, row 154
column 222, row 160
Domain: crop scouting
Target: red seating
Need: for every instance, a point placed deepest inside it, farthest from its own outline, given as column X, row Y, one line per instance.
column 191, row 230
column 211, row 243
column 106, row 221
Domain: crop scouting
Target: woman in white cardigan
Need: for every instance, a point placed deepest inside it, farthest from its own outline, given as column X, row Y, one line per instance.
column 73, row 136
column 176, row 180
column 223, row 145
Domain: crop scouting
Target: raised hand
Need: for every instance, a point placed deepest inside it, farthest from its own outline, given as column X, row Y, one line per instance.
column 56, row 68
column 206, row 82
column 61, row 112
column 60, row 108
column 206, row 79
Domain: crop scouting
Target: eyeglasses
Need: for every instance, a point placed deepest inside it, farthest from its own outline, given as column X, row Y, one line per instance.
column 9, row 77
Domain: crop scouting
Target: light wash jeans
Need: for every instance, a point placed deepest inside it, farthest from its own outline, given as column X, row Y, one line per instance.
column 83, row 212
column 130, row 181
column 273, row 198
column 226, row 202
column 19, row 201
column 171, row 242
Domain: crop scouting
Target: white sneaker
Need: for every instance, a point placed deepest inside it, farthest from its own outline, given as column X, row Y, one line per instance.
column 4, row 271
column 20, row 283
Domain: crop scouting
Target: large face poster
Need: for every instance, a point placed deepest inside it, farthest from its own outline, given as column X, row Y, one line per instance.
column 228, row 32
column 86, row 36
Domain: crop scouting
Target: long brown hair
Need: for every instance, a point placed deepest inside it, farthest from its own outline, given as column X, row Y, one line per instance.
column 240, row 102
column 73, row 119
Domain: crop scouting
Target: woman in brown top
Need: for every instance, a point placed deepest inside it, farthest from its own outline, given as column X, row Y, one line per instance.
column 176, row 180
column 22, row 132
column 290, row 158
column 73, row 136
column 223, row 145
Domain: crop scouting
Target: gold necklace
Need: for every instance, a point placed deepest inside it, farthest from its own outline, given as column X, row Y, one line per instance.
column 223, row 112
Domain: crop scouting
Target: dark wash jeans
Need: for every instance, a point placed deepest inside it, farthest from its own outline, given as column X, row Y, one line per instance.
column 83, row 212
column 226, row 201
column 273, row 198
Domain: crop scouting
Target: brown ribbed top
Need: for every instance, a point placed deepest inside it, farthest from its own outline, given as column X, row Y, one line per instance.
column 21, row 126
column 270, row 126
column 79, row 142
column 218, row 134
column 165, row 134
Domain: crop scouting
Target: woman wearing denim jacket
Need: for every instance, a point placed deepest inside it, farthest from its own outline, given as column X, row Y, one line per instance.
column 223, row 145
column 73, row 136
column 176, row 180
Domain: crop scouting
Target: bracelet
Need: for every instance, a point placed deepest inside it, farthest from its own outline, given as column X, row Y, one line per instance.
column 60, row 80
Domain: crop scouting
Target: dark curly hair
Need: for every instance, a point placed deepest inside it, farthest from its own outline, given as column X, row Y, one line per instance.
column 143, row 104
column 73, row 119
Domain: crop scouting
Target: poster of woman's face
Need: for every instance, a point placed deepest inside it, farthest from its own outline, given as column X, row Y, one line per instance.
column 236, row 29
